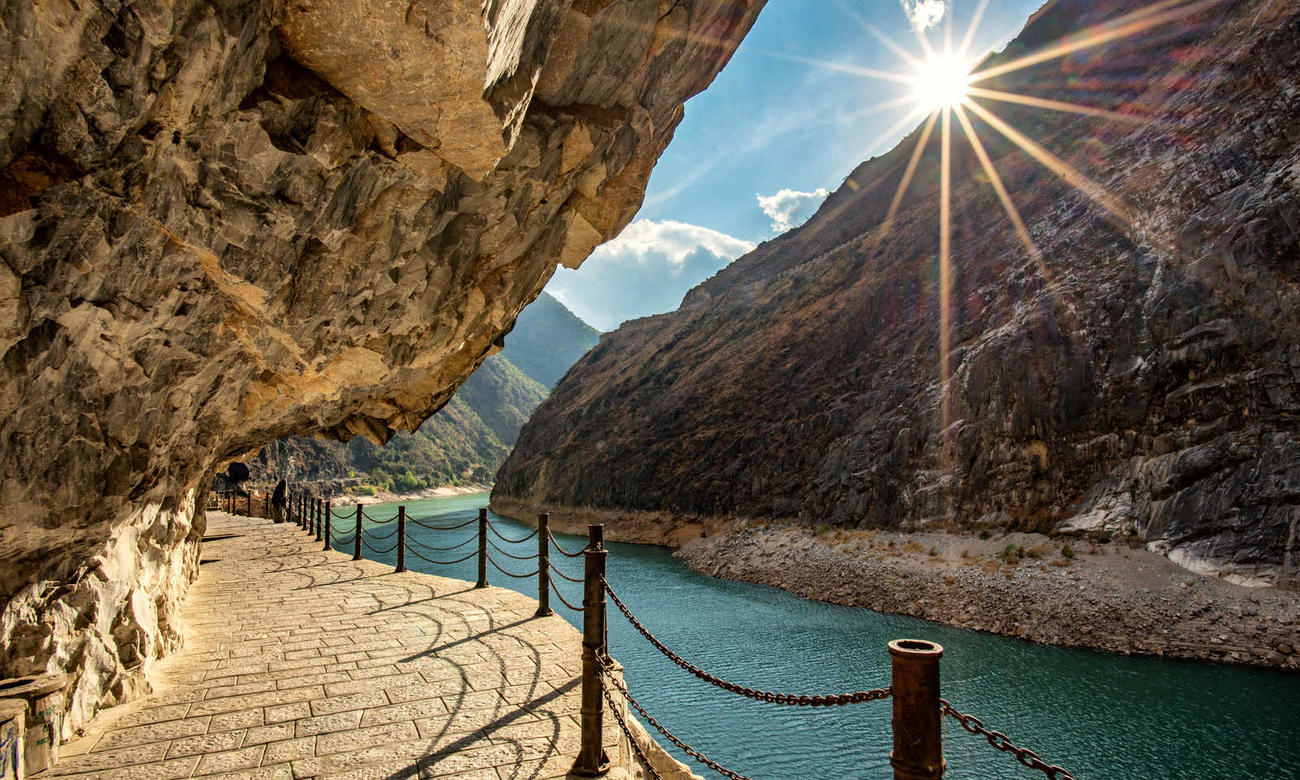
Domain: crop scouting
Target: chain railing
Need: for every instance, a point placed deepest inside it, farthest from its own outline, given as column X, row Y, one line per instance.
column 999, row 741
column 914, row 688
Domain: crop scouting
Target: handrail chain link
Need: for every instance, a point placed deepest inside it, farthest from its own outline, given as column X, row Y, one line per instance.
column 575, row 580
column 999, row 741
column 507, row 539
column 378, row 551
column 417, row 554
column 412, row 540
column 511, row 555
column 790, row 699
column 695, row 754
column 419, row 522
column 560, row 595
column 563, row 551
column 532, row 573
column 631, row 740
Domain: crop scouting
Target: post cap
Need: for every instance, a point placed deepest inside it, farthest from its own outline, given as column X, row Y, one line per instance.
column 916, row 649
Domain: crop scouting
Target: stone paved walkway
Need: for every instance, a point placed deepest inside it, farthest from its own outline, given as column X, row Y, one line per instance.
column 306, row 664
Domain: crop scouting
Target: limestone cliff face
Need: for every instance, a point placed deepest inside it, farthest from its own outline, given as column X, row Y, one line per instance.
column 226, row 221
column 1142, row 379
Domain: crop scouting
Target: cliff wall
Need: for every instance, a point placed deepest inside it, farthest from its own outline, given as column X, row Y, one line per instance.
column 228, row 221
column 1139, row 377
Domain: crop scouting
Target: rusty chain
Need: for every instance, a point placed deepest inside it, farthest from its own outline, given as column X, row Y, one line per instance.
column 792, row 699
column 561, row 597
column 563, row 551
column 627, row 732
column 507, row 539
column 512, row 555
column 608, row 674
column 999, row 741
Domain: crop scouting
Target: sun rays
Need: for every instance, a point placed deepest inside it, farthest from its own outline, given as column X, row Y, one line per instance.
column 946, row 88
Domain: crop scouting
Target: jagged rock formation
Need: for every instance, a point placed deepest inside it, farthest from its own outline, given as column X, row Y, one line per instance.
column 227, row 222
column 1144, row 379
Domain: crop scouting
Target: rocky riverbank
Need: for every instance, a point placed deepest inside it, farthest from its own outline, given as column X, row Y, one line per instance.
column 382, row 496
column 1069, row 592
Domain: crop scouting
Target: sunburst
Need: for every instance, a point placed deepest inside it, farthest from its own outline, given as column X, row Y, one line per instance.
column 944, row 85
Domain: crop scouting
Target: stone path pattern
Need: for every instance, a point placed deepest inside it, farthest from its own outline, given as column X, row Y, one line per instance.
column 302, row 663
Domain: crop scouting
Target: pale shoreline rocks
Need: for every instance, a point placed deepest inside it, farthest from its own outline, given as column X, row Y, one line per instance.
column 1108, row 596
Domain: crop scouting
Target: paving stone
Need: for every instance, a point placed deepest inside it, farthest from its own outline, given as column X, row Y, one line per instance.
column 305, row 664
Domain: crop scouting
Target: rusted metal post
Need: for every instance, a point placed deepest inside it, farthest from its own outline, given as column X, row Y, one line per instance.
column 918, row 734
column 320, row 518
column 317, row 509
column 401, row 539
column 329, row 522
column 482, row 548
column 544, row 565
column 356, row 548
column 592, row 760
column 249, row 505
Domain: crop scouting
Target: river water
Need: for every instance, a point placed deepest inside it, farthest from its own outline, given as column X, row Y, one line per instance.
column 1103, row 717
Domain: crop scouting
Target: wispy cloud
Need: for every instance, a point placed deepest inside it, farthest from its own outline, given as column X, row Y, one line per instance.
column 646, row 270
column 924, row 14
column 788, row 208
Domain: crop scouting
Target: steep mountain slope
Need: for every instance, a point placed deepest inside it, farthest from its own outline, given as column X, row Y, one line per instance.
column 547, row 340
column 467, row 440
column 1140, row 379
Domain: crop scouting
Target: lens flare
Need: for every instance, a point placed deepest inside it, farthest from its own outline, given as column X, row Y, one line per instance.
column 941, row 81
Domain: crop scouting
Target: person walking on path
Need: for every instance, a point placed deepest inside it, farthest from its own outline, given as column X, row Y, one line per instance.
column 278, row 501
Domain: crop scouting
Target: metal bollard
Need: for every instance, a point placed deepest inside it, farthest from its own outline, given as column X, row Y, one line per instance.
column 320, row 517
column 13, row 722
column 918, row 734
column 329, row 522
column 401, row 539
column 543, row 565
column 482, row 548
column 592, row 760
column 356, row 549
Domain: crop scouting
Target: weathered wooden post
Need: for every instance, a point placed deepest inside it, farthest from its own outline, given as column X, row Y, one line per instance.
column 918, row 734
column 482, row 548
column 544, row 565
column 401, row 539
column 592, row 760
column 356, row 548
column 329, row 522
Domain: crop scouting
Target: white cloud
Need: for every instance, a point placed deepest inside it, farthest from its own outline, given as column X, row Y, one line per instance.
column 788, row 208
column 646, row 270
column 924, row 14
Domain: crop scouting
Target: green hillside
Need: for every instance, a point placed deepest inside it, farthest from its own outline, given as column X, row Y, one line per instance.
column 470, row 437
column 547, row 340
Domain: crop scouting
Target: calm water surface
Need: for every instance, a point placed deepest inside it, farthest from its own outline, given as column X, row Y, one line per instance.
column 1103, row 717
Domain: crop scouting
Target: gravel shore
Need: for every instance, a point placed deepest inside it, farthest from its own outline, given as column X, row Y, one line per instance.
column 1109, row 596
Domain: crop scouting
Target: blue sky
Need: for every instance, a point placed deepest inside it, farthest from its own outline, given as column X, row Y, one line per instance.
column 761, row 147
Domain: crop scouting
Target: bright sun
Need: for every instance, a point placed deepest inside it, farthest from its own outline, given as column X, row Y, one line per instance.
column 942, row 81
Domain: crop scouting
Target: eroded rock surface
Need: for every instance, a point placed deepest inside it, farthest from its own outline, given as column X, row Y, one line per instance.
column 226, row 221
column 1141, row 379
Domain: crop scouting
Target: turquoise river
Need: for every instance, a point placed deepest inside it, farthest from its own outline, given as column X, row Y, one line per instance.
column 1102, row 716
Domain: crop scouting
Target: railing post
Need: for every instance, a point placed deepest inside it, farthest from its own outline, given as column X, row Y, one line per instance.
column 302, row 511
column 592, row 761
column 918, row 735
column 317, row 506
column 401, row 539
column 320, row 517
column 482, row 548
column 356, row 549
column 543, row 565
column 329, row 522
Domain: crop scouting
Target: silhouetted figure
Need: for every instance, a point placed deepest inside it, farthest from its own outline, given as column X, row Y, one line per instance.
column 278, row 501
